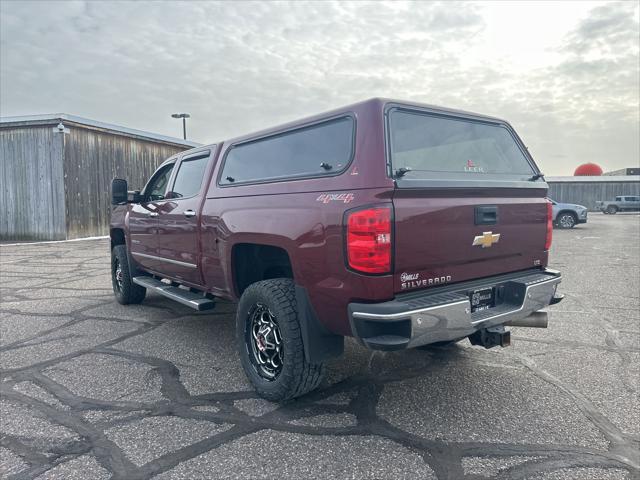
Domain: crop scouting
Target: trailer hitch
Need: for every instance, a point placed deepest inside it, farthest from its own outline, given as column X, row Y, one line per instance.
column 491, row 337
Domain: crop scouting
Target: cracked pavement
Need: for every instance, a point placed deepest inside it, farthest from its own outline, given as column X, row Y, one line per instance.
column 93, row 389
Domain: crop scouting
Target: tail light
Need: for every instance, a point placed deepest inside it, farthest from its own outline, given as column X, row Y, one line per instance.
column 369, row 240
column 547, row 243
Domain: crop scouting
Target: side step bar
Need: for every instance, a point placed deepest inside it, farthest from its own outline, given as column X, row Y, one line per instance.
column 185, row 297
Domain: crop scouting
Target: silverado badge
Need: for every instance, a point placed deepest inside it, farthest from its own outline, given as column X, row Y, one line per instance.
column 486, row 239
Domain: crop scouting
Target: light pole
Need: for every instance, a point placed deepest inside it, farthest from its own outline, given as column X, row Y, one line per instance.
column 184, row 117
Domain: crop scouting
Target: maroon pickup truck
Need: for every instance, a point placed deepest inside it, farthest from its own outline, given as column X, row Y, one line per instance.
column 402, row 225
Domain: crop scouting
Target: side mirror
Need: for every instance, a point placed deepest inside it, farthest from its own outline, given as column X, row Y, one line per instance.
column 135, row 197
column 118, row 191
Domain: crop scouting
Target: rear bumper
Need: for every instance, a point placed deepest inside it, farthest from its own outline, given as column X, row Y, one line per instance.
column 443, row 314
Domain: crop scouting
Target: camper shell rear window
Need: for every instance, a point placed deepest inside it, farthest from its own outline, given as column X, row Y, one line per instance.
column 435, row 146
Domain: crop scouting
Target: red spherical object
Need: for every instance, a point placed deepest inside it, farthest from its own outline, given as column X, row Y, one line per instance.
column 588, row 170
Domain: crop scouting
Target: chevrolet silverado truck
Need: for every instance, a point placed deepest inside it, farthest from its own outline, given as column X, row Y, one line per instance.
column 399, row 224
column 624, row 203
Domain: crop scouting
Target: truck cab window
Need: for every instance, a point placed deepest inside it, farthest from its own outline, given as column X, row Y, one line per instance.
column 158, row 184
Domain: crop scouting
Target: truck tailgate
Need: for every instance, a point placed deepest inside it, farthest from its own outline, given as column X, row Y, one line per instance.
column 435, row 234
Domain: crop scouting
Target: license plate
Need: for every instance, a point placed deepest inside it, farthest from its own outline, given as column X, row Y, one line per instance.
column 482, row 299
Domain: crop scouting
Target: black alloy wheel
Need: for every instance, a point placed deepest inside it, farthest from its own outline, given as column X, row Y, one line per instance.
column 125, row 291
column 267, row 348
column 270, row 341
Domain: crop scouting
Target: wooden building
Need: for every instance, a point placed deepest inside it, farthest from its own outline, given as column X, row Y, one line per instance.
column 56, row 171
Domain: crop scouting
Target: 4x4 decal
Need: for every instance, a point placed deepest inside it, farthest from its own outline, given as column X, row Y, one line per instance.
column 335, row 197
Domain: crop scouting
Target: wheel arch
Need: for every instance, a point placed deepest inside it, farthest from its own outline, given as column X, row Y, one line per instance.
column 570, row 212
column 255, row 261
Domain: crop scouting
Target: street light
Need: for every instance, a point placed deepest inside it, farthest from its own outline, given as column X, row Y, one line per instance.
column 184, row 117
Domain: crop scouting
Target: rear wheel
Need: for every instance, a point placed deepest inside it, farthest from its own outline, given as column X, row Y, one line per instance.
column 269, row 341
column 566, row 220
column 125, row 291
column 612, row 209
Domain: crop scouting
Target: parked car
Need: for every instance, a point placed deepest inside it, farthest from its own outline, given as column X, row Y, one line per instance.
column 402, row 225
column 568, row 215
column 626, row 203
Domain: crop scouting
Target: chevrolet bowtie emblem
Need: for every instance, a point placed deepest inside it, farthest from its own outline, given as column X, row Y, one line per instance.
column 486, row 239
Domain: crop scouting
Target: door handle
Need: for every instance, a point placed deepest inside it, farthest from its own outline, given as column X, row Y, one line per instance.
column 153, row 214
column 189, row 213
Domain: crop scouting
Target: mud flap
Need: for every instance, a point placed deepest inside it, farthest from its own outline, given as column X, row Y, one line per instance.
column 319, row 343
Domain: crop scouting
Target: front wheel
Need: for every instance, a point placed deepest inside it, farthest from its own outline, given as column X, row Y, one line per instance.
column 125, row 291
column 269, row 342
column 566, row 220
column 612, row 209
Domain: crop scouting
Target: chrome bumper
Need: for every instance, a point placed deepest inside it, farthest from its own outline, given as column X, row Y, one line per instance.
column 443, row 314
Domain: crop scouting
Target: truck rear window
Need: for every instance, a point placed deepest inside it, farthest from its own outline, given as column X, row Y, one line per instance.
column 434, row 146
column 318, row 150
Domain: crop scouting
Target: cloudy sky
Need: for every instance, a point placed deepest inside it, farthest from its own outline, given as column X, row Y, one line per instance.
column 565, row 74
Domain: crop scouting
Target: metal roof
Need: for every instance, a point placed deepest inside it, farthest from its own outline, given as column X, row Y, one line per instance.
column 594, row 179
column 67, row 120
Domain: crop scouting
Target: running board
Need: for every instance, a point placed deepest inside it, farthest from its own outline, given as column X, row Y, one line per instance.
column 185, row 297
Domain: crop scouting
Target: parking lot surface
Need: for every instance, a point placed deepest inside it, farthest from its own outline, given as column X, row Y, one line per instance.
column 93, row 389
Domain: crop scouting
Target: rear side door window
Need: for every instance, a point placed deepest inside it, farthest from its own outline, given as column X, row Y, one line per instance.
column 189, row 177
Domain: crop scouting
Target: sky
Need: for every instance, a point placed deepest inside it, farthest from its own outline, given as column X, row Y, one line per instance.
column 566, row 75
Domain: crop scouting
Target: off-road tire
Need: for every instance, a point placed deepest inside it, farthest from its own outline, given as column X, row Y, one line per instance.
column 125, row 291
column 612, row 209
column 571, row 222
column 297, row 376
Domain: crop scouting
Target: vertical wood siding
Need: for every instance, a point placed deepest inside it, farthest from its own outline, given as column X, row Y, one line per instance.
column 92, row 159
column 31, row 184
column 589, row 193
column 56, row 186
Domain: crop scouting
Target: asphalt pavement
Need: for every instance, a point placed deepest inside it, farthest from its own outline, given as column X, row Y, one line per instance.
column 92, row 389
